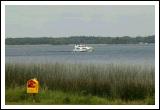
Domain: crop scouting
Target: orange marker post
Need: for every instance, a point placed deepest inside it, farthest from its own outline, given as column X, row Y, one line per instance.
column 33, row 87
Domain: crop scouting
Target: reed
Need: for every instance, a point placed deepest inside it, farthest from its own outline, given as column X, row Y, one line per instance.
column 126, row 81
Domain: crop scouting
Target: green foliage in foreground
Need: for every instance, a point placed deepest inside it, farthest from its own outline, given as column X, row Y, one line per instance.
column 105, row 82
column 19, row 96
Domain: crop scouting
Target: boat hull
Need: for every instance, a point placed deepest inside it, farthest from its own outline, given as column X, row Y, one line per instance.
column 82, row 48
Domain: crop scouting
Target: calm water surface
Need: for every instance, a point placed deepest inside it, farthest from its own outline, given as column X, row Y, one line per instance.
column 103, row 53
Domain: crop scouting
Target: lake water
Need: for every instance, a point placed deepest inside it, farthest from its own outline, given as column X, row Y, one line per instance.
column 103, row 53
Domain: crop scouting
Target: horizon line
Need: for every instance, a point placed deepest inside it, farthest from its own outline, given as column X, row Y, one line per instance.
column 82, row 36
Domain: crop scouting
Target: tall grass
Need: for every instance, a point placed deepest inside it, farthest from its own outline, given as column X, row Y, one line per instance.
column 126, row 82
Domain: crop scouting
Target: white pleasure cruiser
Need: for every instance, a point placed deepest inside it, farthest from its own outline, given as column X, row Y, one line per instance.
column 82, row 48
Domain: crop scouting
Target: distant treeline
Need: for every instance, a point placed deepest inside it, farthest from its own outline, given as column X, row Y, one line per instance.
column 80, row 39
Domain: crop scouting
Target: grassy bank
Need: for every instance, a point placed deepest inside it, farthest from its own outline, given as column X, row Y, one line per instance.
column 82, row 83
column 19, row 96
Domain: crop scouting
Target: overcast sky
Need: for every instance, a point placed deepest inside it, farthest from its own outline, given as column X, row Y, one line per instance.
column 64, row 21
